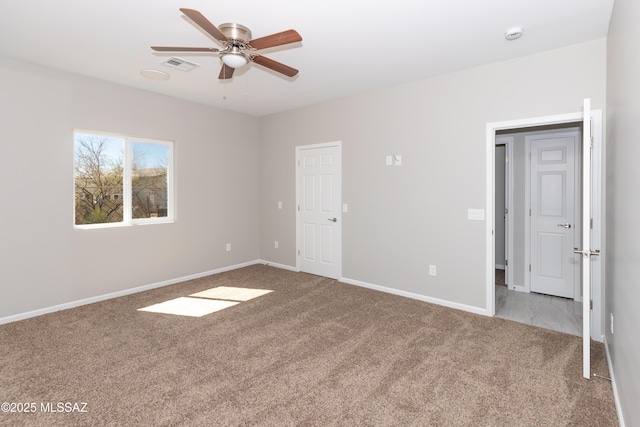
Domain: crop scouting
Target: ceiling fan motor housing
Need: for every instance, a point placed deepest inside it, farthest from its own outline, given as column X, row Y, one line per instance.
column 235, row 31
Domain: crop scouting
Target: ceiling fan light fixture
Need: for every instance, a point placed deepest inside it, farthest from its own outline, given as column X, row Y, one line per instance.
column 235, row 58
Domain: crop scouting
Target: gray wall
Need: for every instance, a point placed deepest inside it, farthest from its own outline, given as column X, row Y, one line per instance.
column 623, row 204
column 44, row 261
column 401, row 219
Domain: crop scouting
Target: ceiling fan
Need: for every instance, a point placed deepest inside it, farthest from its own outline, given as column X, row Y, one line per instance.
column 239, row 48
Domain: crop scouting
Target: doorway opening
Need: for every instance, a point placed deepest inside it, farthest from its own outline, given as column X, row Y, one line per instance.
column 500, row 139
column 537, row 195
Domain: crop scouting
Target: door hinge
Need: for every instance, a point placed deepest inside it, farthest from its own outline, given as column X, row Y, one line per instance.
column 298, row 208
column 529, row 211
column 529, row 268
column 591, row 223
column 591, row 143
column 506, row 262
column 298, row 252
column 298, row 163
column 591, row 304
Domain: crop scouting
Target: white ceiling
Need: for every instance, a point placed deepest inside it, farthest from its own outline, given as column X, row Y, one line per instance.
column 349, row 46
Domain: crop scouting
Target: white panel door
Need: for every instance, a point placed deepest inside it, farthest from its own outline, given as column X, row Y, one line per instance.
column 319, row 207
column 553, row 214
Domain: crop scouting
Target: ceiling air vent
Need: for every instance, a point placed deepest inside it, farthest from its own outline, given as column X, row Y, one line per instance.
column 180, row 64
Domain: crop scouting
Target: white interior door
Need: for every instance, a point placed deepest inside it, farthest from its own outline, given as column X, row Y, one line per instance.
column 553, row 216
column 586, row 250
column 319, row 219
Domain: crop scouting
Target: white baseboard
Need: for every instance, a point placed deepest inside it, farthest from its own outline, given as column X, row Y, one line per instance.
column 72, row 304
column 501, row 267
column 445, row 303
column 614, row 386
column 393, row 291
column 275, row 264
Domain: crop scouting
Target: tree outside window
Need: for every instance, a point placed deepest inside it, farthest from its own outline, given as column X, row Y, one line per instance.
column 149, row 180
column 121, row 180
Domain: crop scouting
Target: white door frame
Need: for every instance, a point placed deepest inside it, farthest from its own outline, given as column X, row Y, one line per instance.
column 509, row 232
column 596, row 198
column 508, row 142
column 300, row 148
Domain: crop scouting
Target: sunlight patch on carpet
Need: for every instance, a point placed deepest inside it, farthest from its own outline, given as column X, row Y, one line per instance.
column 206, row 302
column 193, row 307
column 232, row 294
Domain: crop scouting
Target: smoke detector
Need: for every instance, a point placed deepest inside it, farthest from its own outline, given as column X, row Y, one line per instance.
column 154, row 74
column 513, row 33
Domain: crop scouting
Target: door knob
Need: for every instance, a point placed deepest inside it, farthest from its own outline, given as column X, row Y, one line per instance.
column 567, row 225
column 586, row 253
column 333, row 219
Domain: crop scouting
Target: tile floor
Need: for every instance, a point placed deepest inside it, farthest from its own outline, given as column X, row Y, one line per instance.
column 545, row 311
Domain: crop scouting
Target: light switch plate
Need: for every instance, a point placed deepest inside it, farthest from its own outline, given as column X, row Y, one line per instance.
column 475, row 214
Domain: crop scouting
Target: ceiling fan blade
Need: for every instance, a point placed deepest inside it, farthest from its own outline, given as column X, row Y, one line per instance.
column 226, row 72
column 183, row 49
column 275, row 65
column 204, row 23
column 278, row 39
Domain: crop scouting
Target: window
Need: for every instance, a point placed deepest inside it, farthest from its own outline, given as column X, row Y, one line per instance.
column 121, row 180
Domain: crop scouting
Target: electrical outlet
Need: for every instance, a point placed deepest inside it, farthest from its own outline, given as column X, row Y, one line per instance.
column 275, row 244
column 228, row 247
column 432, row 270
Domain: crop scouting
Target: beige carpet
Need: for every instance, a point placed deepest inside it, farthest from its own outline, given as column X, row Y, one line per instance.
column 312, row 352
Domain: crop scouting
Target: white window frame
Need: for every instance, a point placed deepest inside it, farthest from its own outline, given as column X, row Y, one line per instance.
column 127, row 204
